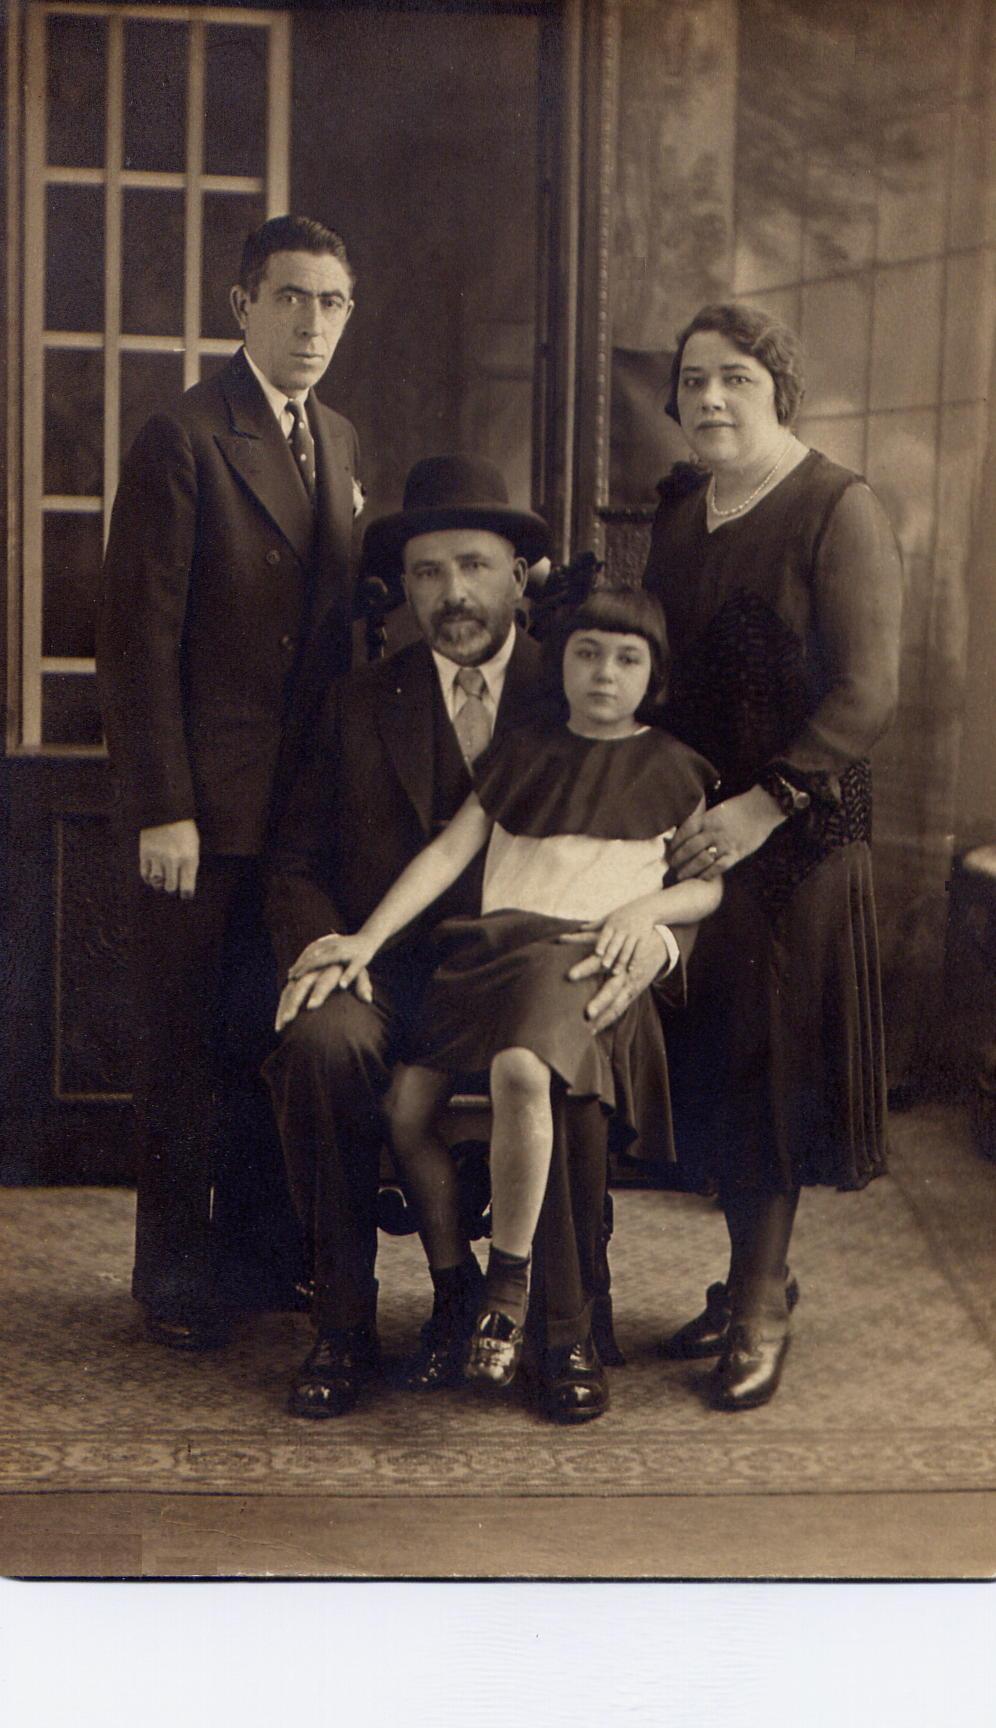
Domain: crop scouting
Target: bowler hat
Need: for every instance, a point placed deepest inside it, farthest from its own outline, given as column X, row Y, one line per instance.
column 451, row 492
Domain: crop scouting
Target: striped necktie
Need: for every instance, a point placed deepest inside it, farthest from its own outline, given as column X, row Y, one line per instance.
column 302, row 446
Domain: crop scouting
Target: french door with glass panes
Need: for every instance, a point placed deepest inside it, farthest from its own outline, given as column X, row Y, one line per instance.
column 145, row 141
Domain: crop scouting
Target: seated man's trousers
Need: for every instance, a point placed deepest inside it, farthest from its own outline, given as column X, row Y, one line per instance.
column 327, row 1078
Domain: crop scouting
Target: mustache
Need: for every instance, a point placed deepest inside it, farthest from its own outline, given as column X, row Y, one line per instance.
column 457, row 615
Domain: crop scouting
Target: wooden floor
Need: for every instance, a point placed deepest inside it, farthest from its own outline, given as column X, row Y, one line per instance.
column 712, row 1536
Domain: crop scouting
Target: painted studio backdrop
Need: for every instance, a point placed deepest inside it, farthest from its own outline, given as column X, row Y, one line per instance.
column 536, row 198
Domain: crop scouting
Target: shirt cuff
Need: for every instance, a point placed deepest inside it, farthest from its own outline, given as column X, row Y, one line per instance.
column 667, row 936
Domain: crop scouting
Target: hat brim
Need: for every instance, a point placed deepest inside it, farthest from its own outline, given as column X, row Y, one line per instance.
column 385, row 539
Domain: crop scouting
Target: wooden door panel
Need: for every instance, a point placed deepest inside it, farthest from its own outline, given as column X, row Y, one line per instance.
column 66, row 1051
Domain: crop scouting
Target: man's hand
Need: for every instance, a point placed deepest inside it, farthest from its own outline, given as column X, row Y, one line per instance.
column 168, row 857
column 331, row 963
column 712, row 841
column 621, row 987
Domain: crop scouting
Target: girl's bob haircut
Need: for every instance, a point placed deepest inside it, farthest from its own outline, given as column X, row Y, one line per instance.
column 622, row 611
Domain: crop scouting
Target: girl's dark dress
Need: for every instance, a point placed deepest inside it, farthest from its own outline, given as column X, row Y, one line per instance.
column 784, row 629
column 579, row 830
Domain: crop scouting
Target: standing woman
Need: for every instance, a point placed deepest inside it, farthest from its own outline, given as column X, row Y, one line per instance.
column 781, row 582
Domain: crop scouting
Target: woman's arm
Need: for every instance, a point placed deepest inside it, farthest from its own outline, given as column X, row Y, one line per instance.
column 857, row 595
column 428, row 876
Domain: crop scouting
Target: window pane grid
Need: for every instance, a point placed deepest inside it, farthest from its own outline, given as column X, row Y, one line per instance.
column 41, row 701
column 154, row 180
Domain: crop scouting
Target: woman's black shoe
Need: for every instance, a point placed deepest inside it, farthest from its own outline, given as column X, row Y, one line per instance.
column 703, row 1336
column 706, row 1335
column 750, row 1368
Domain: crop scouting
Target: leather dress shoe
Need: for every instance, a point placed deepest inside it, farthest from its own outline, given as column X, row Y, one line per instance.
column 330, row 1378
column 706, row 1335
column 441, row 1356
column 750, row 1367
column 495, row 1349
column 573, row 1384
column 206, row 1332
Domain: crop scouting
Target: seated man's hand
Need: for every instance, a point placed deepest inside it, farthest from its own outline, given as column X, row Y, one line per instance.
column 331, row 963
column 649, row 952
column 168, row 857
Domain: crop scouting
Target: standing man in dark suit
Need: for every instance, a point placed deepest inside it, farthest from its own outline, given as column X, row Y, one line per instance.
column 226, row 596
column 391, row 763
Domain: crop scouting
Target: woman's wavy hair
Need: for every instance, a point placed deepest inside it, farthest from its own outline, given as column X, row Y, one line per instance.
column 622, row 611
column 759, row 334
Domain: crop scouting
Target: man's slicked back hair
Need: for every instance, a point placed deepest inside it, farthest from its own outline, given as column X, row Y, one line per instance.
column 288, row 234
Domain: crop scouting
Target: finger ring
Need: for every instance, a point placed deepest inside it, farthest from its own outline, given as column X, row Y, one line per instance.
column 713, row 852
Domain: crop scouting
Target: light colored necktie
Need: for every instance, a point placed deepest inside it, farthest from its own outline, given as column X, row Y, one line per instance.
column 302, row 446
column 472, row 724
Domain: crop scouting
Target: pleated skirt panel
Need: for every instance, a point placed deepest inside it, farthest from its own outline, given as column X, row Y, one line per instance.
column 778, row 1064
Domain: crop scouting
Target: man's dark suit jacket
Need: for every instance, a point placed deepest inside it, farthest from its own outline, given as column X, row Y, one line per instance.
column 362, row 805
column 222, row 591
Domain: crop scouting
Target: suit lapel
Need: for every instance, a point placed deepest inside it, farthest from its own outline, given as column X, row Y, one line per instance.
column 520, row 691
column 335, row 507
column 258, row 452
column 404, row 717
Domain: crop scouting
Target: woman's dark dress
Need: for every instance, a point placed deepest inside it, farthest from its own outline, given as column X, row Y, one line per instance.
column 784, row 627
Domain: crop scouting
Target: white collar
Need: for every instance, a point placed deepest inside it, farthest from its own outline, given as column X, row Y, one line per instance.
column 276, row 398
column 493, row 670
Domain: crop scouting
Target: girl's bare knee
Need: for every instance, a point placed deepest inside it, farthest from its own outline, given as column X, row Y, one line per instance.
column 521, row 1072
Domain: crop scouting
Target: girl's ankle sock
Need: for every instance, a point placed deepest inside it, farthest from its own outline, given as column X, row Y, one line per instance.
column 507, row 1287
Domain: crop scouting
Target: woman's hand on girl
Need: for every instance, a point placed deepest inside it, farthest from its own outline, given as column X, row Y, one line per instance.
column 712, row 841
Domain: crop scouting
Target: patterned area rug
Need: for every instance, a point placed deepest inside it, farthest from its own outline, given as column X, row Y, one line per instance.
column 890, row 1383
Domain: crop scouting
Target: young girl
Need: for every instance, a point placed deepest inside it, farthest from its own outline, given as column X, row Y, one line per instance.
column 576, row 821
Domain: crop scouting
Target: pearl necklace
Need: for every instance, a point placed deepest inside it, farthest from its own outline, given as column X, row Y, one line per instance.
column 739, row 508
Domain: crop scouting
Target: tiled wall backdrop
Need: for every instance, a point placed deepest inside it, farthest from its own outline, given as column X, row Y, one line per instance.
column 865, row 213
column 862, row 137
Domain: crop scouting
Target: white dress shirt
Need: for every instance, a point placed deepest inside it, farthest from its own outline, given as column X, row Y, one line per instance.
column 493, row 672
column 277, row 399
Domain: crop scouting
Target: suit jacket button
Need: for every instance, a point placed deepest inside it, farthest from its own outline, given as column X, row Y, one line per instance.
column 272, row 557
column 287, row 642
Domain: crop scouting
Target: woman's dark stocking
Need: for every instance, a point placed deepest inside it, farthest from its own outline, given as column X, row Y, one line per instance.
column 760, row 1229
